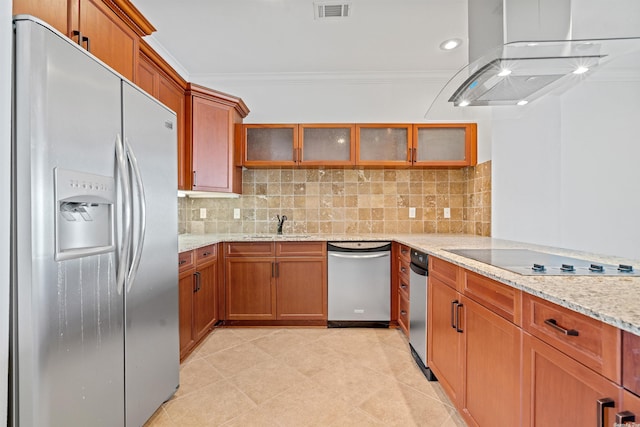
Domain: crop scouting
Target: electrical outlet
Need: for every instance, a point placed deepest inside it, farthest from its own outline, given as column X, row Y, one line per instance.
column 236, row 213
column 203, row 213
column 447, row 212
column 412, row 212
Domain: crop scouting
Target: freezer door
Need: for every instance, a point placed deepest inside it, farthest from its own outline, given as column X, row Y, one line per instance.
column 151, row 315
column 67, row 318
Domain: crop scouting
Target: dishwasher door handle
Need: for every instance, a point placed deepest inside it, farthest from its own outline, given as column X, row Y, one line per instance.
column 353, row 256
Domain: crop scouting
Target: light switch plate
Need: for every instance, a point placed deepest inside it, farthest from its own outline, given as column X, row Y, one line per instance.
column 236, row 213
column 203, row 213
column 447, row 212
column 412, row 212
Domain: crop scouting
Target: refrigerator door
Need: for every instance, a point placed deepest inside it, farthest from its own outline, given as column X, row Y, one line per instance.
column 67, row 318
column 151, row 315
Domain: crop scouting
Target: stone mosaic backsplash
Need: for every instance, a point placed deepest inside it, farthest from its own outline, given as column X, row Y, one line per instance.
column 349, row 201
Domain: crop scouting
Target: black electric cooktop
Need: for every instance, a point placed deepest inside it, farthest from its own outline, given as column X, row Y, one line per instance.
column 533, row 263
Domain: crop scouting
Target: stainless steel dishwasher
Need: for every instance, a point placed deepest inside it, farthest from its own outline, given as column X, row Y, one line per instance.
column 418, row 311
column 359, row 276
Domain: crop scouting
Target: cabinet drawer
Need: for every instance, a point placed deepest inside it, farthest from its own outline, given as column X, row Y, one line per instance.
column 185, row 260
column 403, row 314
column 205, row 253
column 446, row 272
column 249, row 249
column 403, row 268
column 404, row 286
column 301, row 248
column 589, row 341
column 404, row 253
column 503, row 300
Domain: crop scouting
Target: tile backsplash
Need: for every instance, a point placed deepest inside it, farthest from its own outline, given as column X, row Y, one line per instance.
column 349, row 201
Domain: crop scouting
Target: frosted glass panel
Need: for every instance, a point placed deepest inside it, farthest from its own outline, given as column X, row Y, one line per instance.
column 270, row 144
column 384, row 144
column 333, row 144
column 441, row 144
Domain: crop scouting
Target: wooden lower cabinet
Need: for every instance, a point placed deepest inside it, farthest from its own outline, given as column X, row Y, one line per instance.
column 250, row 289
column 492, row 357
column 559, row 391
column 444, row 343
column 630, row 408
column 284, row 281
column 197, row 296
column 185, row 297
column 301, row 289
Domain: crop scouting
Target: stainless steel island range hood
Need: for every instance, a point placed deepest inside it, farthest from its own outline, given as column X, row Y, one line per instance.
column 522, row 49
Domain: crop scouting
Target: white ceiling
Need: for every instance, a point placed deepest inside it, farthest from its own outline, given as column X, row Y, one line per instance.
column 216, row 38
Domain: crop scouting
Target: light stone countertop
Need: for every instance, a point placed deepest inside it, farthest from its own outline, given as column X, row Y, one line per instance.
column 613, row 300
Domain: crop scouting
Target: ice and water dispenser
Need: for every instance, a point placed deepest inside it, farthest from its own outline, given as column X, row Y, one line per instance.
column 84, row 223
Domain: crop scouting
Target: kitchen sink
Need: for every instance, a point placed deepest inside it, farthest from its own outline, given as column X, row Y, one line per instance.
column 277, row 236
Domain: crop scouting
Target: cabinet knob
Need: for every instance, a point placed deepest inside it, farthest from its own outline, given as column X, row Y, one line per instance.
column 403, row 312
column 206, row 254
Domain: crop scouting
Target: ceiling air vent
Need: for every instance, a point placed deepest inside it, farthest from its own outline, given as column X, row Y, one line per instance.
column 332, row 10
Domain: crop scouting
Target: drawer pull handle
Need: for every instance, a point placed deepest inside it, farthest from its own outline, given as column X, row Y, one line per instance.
column 183, row 261
column 403, row 286
column 404, row 270
column 554, row 325
column 197, row 283
column 453, row 318
column 603, row 404
column 625, row 417
column 403, row 312
column 206, row 253
column 458, row 328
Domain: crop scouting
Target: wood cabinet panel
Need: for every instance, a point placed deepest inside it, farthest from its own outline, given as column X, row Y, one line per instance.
column 448, row 144
column 326, row 145
column 212, row 120
column 186, row 260
column 631, row 362
column 301, row 249
column 596, row 345
column 384, row 144
column 249, row 249
column 54, row 12
column 301, row 288
column 403, row 313
column 250, row 289
column 109, row 38
column 444, row 345
column 270, row 145
column 205, row 301
column 445, row 271
column 559, row 391
column 186, row 287
column 501, row 299
column 630, row 407
column 492, row 369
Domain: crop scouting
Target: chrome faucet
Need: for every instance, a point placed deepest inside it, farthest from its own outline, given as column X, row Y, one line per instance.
column 281, row 220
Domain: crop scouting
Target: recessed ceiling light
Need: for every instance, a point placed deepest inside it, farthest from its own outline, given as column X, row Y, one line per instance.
column 450, row 44
column 522, row 102
column 580, row 70
column 504, row 72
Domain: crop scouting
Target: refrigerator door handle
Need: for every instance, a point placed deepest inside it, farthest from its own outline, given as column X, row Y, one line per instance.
column 142, row 226
column 125, row 184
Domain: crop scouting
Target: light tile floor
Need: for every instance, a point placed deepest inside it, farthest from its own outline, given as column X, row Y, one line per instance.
column 304, row 377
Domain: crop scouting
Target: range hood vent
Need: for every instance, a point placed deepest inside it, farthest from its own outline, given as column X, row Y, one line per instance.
column 331, row 10
column 544, row 46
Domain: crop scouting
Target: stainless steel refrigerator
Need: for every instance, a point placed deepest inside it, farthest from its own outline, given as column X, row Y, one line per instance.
column 94, row 303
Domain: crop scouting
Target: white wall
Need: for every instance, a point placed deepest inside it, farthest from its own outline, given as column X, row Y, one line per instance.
column 5, row 167
column 566, row 173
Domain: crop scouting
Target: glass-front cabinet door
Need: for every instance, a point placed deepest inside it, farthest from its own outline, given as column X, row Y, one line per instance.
column 270, row 145
column 326, row 144
column 451, row 144
column 383, row 144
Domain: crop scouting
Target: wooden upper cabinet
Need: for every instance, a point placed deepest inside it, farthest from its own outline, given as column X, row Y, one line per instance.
column 383, row 144
column 451, row 144
column 212, row 121
column 270, row 145
column 326, row 144
column 53, row 12
column 160, row 80
column 110, row 29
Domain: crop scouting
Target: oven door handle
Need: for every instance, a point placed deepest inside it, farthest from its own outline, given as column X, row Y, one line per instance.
column 353, row 256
